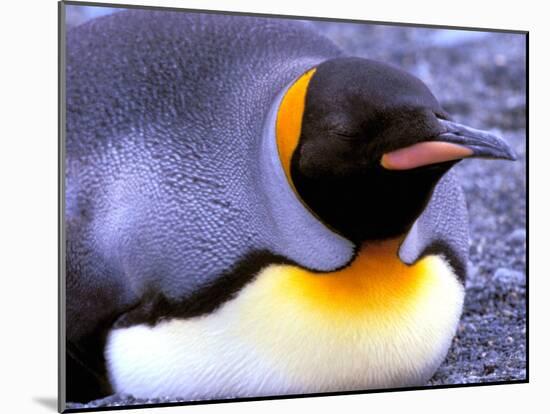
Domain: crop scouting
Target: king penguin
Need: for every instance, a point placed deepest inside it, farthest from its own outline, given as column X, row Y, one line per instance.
column 249, row 212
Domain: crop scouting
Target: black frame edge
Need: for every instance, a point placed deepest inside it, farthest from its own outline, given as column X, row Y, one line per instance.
column 61, row 363
column 527, row 206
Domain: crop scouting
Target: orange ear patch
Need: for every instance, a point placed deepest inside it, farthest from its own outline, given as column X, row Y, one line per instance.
column 289, row 120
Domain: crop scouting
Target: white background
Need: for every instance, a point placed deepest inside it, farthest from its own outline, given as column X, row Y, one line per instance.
column 28, row 203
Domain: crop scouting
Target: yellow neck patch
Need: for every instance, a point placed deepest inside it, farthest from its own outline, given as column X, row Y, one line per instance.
column 375, row 283
column 289, row 120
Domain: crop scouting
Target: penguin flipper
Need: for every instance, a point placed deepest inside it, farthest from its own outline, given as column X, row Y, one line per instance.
column 442, row 228
column 85, row 373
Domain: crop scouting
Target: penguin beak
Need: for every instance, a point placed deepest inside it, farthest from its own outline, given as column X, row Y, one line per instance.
column 456, row 142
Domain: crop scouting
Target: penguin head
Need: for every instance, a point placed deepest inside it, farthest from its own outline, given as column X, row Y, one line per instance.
column 364, row 144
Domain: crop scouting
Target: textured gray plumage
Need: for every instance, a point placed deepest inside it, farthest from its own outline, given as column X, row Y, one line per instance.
column 165, row 118
column 172, row 173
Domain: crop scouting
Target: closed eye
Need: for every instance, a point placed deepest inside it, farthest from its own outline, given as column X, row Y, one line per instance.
column 347, row 135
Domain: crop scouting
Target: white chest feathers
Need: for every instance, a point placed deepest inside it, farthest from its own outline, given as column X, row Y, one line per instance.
column 375, row 324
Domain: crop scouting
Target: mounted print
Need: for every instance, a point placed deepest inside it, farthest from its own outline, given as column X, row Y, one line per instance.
column 264, row 206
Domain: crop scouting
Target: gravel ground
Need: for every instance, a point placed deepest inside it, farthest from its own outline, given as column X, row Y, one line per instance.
column 480, row 80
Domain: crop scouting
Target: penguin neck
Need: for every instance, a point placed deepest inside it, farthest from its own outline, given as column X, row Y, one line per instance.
column 377, row 205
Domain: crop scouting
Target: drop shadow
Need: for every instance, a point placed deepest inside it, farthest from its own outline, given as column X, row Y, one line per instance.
column 48, row 402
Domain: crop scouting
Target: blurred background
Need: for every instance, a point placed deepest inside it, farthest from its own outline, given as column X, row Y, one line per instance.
column 480, row 79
